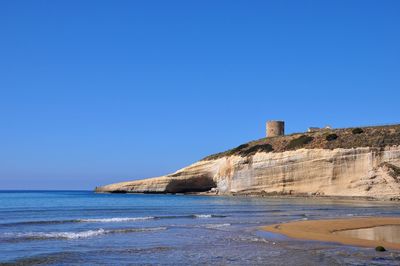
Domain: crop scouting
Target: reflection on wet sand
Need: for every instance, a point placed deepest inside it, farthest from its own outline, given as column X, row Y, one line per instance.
column 387, row 233
column 360, row 231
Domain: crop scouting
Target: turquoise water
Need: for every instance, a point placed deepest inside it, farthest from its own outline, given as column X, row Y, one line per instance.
column 81, row 227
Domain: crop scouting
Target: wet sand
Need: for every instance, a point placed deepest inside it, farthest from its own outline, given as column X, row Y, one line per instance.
column 330, row 230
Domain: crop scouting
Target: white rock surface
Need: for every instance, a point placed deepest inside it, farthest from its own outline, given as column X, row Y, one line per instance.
column 365, row 172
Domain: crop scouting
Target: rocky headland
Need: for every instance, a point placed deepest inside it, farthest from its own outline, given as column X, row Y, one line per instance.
column 350, row 162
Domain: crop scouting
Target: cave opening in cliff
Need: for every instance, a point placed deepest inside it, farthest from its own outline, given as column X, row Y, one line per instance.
column 194, row 184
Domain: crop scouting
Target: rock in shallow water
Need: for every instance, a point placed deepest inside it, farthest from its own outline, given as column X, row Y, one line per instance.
column 380, row 249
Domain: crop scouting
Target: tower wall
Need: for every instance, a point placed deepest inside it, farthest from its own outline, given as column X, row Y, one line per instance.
column 275, row 128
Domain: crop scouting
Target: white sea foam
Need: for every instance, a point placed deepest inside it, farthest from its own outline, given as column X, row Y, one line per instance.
column 116, row 219
column 66, row 235
column 202, row 215
column 212, row 226
column 78, row 235
column 251, row 239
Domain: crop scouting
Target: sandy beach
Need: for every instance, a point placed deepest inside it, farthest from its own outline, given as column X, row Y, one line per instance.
column 331, row 230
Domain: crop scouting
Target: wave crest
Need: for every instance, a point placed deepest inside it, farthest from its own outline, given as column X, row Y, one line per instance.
column 115, row 219
column 208, row 216
column 213, row 226
column 202, row 215
column 111, row 220
column 77, row 235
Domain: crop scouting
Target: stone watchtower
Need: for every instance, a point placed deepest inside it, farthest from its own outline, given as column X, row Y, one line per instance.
column 275, row 128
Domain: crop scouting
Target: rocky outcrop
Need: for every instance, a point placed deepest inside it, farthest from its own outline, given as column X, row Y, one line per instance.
column 258, row 169
column 367, row 172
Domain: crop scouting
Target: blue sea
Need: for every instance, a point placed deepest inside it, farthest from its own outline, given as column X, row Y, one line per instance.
column 85, row 228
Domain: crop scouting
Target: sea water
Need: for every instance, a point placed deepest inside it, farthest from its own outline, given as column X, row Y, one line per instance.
column 82, row 227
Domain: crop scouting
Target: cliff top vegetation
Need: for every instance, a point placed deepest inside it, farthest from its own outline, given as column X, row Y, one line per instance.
column 346, row 138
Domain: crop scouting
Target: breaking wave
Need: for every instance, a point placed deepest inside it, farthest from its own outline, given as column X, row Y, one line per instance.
column 213, row 226
column 115, row 219
column 76, row 235
column 112, row 219
column 202, row 215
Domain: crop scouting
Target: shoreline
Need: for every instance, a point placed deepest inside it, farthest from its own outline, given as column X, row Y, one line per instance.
column 324, row 230
column 263, row 195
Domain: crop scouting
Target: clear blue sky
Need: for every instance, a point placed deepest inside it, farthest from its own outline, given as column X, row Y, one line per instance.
column 95, row 92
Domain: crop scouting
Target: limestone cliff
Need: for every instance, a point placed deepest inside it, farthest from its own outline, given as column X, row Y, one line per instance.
column 343, row 162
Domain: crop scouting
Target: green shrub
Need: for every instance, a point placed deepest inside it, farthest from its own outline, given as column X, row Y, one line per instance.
column 256, row 148
column 243, row 150
column 299, row 142
column 331, row 137
column 357, row 131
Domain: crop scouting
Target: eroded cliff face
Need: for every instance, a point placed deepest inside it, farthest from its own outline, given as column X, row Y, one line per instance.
column 364, row 172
